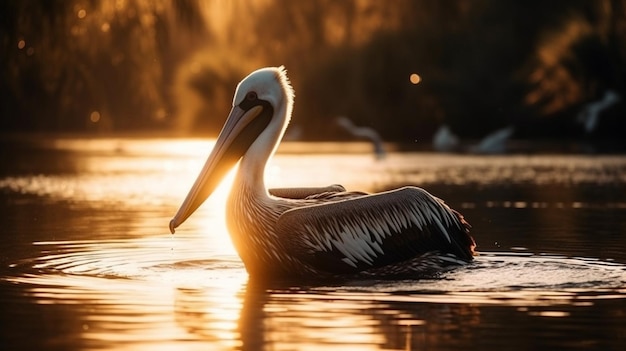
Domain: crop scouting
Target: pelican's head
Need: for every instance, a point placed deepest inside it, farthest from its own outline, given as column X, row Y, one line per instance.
column 267, row 84
column 261, row 110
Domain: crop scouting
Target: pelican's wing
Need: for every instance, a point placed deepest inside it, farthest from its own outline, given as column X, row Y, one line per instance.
column 302, row 193
column 374, row 230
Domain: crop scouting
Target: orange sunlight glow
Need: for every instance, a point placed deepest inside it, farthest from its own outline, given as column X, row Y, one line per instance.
column 210, row 220
column 155, row 314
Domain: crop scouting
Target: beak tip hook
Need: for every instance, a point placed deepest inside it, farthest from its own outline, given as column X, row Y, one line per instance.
column 172, row 227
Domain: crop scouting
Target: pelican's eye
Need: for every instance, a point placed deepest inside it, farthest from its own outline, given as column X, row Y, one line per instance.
column 251, row 96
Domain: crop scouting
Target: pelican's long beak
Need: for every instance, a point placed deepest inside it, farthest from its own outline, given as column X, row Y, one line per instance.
column 241, row 129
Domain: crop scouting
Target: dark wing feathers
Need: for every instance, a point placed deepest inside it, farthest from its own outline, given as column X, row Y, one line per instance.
column 372, row 231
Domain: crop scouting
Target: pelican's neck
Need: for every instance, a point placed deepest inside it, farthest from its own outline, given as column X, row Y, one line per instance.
column 251, row 173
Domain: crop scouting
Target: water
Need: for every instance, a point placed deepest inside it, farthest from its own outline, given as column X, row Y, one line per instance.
column 87, row 262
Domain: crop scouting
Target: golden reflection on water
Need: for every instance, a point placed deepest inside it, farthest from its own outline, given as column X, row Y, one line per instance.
column 125, row 283
column 144, row 315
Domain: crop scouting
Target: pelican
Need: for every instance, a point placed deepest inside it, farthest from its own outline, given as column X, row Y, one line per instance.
column 317, row 233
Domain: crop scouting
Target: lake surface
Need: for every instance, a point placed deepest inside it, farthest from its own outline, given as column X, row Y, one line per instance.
column 87, row 262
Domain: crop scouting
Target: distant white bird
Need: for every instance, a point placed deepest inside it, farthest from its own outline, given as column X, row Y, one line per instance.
column 444, row 140
column 363, row 132
column 494, row 143
column 590, row 113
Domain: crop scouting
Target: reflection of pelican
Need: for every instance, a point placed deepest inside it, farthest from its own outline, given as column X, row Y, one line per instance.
column 591, row 112
column 317, row 232
column 363, row 132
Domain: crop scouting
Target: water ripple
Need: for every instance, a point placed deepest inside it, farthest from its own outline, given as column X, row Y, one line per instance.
column 493, row 278
column 153, row 292
column 511, row 278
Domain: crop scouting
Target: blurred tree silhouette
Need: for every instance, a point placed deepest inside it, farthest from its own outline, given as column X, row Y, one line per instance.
column 80, row 65
column 576, row 61
column 133, row 64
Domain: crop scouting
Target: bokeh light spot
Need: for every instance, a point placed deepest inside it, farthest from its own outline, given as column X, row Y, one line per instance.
column 21, row 44
column 81, row 13
column 161, row 114
column 94, row 117
column 415, row 78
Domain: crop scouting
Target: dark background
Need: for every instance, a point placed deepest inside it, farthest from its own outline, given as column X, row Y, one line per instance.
column 172, row 66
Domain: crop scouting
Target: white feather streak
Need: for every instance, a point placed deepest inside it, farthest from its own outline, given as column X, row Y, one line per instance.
column 378, row 248
column 348, row 261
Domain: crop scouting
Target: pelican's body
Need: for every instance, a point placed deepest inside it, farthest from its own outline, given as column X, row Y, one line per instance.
column 317, row 232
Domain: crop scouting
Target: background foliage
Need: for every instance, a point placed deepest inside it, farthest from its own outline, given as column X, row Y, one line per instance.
column 165, row 65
